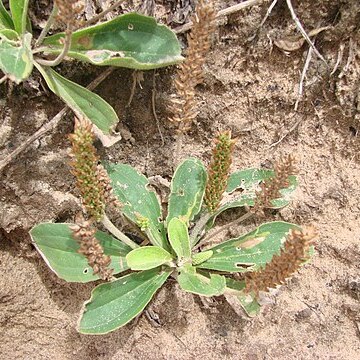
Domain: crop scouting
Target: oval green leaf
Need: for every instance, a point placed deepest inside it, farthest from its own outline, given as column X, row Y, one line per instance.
column 9, row 34
column 114, row 304
column 147, row 257
column 187, row 190
column 139, row 202
column 58, row 248
column 6, row 21
column 179, row 239
column 202, row 256
column 16, row 60
column 251, row 251
column 81, row 100
column 193, row 282
column 132, row 40
column 19, row 9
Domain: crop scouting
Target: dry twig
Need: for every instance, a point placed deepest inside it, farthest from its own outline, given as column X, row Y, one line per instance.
column 303, row 74
column 296, row 124
column 351, row 57
column 268, row 12
column 339, row 58
column 153, row 107
column 96, row 18
column 224, row 12
column 303, row 32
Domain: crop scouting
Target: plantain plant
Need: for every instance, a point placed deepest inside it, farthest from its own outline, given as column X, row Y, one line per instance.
column 177, row 243
column 131, row 40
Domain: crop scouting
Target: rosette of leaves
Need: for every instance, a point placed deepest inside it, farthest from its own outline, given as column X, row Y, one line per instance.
column 131, row 40
column 172, row 249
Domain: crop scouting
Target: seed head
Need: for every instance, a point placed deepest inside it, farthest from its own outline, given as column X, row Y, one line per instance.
column 190, row 72
column 68, row 10
column 90, row 247
column 219, row 170
column 92, row 179
column 270, row 188
column 293, row 254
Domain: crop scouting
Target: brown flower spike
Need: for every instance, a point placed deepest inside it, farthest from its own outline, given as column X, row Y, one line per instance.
column 219, row 170
column 190, row 71
column 293, row 254
column 68, row 11
column 90, row 247
column 92, row 179
column 270, row 188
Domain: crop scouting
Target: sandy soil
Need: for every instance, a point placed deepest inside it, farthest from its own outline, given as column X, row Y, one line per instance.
column 250, row 87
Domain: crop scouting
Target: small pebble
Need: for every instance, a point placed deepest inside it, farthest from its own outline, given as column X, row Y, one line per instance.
column 303, row 314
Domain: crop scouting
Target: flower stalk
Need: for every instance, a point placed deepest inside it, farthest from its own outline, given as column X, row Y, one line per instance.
column 190, row 72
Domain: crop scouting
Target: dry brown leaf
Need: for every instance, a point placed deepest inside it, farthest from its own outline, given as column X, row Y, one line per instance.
column 293, row 43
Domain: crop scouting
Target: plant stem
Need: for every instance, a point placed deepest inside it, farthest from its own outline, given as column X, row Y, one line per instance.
column 48, row 25
column 3, row 79
column 117, row 233
column 199, row 227
column 223, row 228
column 178, row 147
column 61, row 56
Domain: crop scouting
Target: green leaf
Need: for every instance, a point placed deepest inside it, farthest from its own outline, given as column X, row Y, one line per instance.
column 247, row 301
column 251, row 251
column 179, row 239
column 59, row 249
column 242, row 186
column 147, row 257
column 139, row 202
column 248, row 180
column 114, row 304
column 191, row 281
column 187, row 190
column 19, row 10
column 5, row 18
column 131, row 40
column 16, row 60
column 202, row 256
column 80, row 100
column 9, row 34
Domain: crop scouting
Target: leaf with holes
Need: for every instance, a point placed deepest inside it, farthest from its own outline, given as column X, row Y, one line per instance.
column 114, row 304
column 139, row 202
column 131, row 40
column 251, row 251
column 147, row 257
column 58, row 248
column 242, row 186
column 16, row 59
column 81, row 100
column 187, row 190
